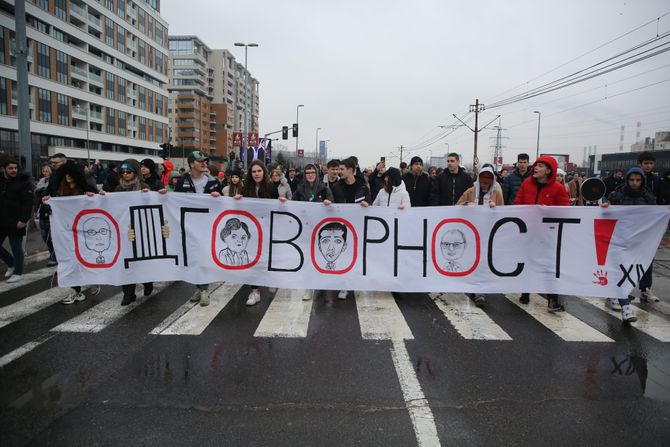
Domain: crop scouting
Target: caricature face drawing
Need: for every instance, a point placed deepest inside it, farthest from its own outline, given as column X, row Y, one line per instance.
column 235, row 236
column 453, row 245
column 97, row 237
column 332, row 242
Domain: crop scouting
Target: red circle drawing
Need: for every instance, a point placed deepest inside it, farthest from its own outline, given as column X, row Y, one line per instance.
column 313, row 245
column 81, row 260
column 214, row 239
column 477, row 245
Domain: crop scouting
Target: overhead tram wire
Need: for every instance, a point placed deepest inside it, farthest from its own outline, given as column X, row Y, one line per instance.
column 450, row 130
column 655, row 20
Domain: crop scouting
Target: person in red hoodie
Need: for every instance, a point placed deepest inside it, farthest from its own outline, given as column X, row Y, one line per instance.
column 169, row 167
column 541, row 188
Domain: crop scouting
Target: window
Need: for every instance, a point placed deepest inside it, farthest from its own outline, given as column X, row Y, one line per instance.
column 142, row 52
column 159, row 34
column 122, row 122
column 121, row 39
column 109, row 32
column 182, row 62
column 42, row 4
column 58, row 34
column 151, row 130
column 3, row 96
column 150, row 26
column 159, row 132
column 109, row 4
column 43, row 60
column 159, row 62
column 160, row 100
column 2, row 45
column 63, row 110
column 141, row 19
column 185, row 82
column 37, row 24
column 142, row 93
column 61, row 67
column 142, row 128
column 110, row 121
column 110, row 85
column 121, row 8
column 45, row 105
column 122, row 90
column 181, row 47
column 61, row 9
column 151, row 101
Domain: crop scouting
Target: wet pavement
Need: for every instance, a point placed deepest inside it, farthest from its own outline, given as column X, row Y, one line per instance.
column 71, row 378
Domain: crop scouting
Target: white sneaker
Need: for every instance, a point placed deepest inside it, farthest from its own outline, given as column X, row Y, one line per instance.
column 627, row 314
column 272, row 289
column 10, row 272
column 14, row 278
column 342, row 295
column 648, row 297
column 308, row 295
column 196, row 296
column 74, row 296
column 204, row 298
column 94, row 290
column 254, row 298
column 613, row 303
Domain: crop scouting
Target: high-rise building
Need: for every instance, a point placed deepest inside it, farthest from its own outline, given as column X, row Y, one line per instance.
column 97, row 75
column 209, row 94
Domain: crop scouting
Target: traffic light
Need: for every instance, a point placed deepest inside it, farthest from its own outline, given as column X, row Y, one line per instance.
column 284, row 133
column 167, row 147
column 295, row 130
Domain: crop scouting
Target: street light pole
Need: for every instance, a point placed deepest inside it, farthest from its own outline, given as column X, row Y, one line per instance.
column 297, row 115
column 88, row 126
column 537, row 149
column 246, row 101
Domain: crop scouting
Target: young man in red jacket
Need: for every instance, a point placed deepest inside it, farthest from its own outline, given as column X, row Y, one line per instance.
column 543, row 189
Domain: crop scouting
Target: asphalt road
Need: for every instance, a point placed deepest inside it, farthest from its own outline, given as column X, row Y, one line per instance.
column 375, row 369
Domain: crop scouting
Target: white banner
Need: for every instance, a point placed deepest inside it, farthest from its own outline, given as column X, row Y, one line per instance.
column 566, row 250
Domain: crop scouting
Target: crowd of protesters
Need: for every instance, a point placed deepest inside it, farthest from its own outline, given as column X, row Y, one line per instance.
column 339, row 181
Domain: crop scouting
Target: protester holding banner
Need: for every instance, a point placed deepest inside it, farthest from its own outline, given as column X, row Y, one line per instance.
column 311, row 190
column 542, row 189
column 149, row 174
column 418, row 183
column 394, row 192
column 514, row 180
column 333, row 174
column 283, row 188
column 258, row 186
column 234, row 187
column 449, row 186
column 198, row 181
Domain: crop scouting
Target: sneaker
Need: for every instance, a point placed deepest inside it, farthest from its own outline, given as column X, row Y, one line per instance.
column 94, row 290
column 9, row 272
column 204, row 298
column 14, row 278
column 479, row 300
column 613, row 303
column 148, row 289
column 627, row 314
column 74, row 296
column 554, row 306
column 254, row 298
column 342, row 295
column 646, row 296
column 196, row 296
column 127, row 299
column 308, row 295
column 51, row 263
column 524, row 298
column 272, row 289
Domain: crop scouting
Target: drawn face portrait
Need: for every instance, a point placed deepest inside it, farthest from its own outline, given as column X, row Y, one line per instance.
column 332, row 241
column 234, row 234
column 453, row 245
column 237, row 240
column 97, row 234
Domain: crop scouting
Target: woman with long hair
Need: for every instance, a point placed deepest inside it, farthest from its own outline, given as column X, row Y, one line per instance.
column 234, row 186
column 42, row 212
column 283, row 188
column 258, row 186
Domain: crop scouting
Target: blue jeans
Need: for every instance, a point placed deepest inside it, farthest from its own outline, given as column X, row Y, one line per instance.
column 16, row 244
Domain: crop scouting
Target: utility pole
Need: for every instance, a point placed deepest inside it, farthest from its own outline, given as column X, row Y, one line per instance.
column 23, row 96
column 401, row 148
column 498, row 147
column 476, row 107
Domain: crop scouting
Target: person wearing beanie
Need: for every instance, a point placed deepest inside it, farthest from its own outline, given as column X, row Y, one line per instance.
column 560, row 178
column 394, row 193
column 418, row 183
column 235, row 185
column 149, row 174
column 173, row 178
column 450, row 185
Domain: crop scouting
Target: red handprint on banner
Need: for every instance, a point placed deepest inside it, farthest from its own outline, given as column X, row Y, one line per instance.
column 601, row 277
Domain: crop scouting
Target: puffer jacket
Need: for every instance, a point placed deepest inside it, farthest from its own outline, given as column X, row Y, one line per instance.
column 398, row 196
column 16, row 202
column 550, row 193
column 624, row 195
column 513, row 183
column 284, row 188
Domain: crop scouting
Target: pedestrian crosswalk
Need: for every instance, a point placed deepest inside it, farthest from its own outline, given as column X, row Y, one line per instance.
column 380, row 316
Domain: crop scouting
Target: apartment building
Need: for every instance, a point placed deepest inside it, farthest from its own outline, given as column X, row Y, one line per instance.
column 209, row 94
column 97, row 76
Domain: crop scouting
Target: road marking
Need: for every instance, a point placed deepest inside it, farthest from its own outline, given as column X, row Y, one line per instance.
column 415, row 401
column 469, row 320
column 192, row 318
column 563, row 324
column 650, row 324
column 380, row 318
column 22, row 350
column 287, row 316
column 27, row 278
column 99, row 317
column 32, row 304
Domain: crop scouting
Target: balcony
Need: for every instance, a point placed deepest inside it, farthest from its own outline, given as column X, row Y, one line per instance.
column 95, row 22
column 96, row 117
column 78, row 12
column 95, row 78
column 79, row 113
column 79, row 72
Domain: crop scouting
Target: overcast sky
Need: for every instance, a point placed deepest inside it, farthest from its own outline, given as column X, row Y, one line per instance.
column 377, row 74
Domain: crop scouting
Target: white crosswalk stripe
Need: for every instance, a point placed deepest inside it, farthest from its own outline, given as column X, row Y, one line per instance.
column 469, row 320
column 652, row 325
column 27, row 278
column 287, row 316
column 563, row 324
column 24, row 349
column 192, row 318
column 32, row 304
column 380, row 318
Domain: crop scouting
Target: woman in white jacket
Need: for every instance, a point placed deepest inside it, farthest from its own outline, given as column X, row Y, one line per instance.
column 393, row 193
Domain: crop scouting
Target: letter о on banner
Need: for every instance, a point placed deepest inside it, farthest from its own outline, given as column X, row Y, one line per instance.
column 337, row 243
column 456, row 247
column 100, row 235
column 232, row 233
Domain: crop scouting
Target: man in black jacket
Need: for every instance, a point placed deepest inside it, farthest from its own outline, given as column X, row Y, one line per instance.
column 418, row 183
column 449, row 186
column 16, row 201
column 515, row 179
column 612, row 182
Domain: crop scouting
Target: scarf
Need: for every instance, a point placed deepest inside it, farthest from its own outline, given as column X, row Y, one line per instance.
column 133, row 185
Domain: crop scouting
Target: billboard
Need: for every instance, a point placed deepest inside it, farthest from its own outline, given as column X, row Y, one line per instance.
column 562, row 159
column 323, row 150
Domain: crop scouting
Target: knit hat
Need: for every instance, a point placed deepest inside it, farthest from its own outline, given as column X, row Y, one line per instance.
column 560, row 171
column 415, row 159
column 236, row 172
column 196, row 156
column 130, row 164
column 394, row 176
column 149, row 163
column 221, row 174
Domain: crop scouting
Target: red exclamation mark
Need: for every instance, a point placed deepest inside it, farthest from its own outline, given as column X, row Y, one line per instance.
column 603, row 229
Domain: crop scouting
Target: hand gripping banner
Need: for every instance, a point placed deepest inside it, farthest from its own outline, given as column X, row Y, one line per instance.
column 137, row 237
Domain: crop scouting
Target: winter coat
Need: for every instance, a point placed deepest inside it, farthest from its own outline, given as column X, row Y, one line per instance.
column 398, row 196
column 663, row 195
column 575, row 191
column 376, row 183
column 153, row 182
column 611, row 183
column 185, row 184
column 624, row 195
column 448, row 188
column 168, row 168
column 284, row 189
column 41, row 210
column 418, row 187
column 340, row 191
column 16, row 202
column 470, row 196
column 512, row 184
column 550, row 193
column 112, row 181
column 308, row 193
